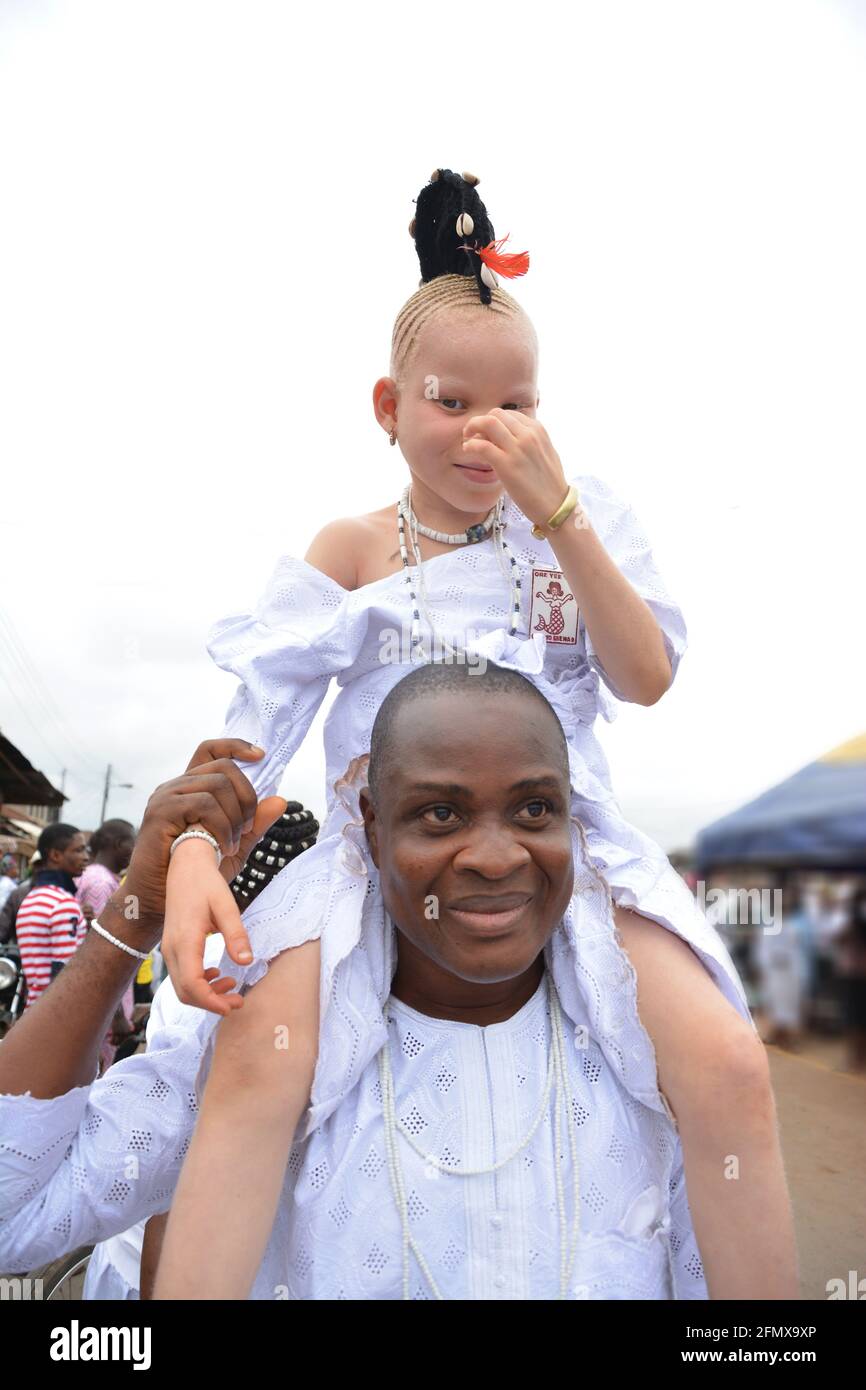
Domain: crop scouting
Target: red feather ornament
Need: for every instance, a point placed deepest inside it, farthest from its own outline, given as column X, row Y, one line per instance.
column 507, row 263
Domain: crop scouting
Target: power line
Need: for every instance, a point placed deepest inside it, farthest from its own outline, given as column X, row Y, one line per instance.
column 34, row 688
column 38, row 691
column 48, row 731
column 60, row 761
column 38, row 685
column 39, row 733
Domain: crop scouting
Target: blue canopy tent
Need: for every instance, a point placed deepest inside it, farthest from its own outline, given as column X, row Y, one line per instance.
column 814, row 819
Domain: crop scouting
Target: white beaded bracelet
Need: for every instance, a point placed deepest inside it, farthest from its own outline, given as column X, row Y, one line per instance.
column 95, row 926
column 197, row 835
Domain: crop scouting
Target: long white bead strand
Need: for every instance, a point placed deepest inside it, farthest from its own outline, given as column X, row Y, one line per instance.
column 556, row 1079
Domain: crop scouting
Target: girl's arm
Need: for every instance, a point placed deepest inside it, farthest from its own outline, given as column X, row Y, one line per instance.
column 627, row 638
column 334, row 551
column 151, row 1247
column 258, row 1088
column 626, row 635
column 713, row 1070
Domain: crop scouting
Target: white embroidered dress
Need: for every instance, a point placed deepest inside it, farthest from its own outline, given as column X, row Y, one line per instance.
column 467, row 1094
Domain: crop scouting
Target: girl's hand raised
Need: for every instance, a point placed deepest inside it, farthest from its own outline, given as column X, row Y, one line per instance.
column 518, row 447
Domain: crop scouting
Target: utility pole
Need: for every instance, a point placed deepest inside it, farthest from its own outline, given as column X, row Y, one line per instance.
column 108, row 786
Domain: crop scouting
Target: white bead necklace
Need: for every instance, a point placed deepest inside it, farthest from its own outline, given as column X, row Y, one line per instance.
column 471, row 535
column 417, row 589
column 556, row 1074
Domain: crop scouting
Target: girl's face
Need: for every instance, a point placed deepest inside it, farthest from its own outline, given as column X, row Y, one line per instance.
column 462, row 367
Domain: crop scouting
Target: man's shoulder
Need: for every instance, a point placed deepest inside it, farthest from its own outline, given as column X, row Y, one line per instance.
column 46, row 898
column 46, row 892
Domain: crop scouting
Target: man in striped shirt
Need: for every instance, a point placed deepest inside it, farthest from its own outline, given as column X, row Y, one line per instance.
column 50, row 925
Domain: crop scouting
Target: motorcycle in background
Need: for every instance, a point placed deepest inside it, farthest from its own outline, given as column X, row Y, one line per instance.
column 13, row 986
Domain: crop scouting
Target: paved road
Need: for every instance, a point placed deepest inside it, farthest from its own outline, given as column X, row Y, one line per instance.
column 822, row 1121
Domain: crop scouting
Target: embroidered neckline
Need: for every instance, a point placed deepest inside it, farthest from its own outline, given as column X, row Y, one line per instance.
column 449, row 1025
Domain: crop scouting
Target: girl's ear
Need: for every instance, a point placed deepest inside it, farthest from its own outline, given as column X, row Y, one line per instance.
column 385, row 401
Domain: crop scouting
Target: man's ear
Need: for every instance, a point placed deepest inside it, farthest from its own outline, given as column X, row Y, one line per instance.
column 371, row 825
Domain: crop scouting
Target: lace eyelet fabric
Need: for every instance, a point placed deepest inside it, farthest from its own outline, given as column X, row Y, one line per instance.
column 92, row 1164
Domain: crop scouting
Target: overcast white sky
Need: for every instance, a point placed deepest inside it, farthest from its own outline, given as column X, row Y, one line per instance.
column 204, row 247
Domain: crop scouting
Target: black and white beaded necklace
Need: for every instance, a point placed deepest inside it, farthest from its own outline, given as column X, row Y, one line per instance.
column 493, row 522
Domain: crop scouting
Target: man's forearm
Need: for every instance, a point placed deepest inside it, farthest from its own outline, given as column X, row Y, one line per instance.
column 55, row 1046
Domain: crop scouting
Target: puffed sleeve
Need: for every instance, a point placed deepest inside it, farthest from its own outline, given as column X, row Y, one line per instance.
column 284, row 653
column 626, row 542
column 86, row 1165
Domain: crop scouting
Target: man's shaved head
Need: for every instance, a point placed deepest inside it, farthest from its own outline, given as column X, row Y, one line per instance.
column 391, row 729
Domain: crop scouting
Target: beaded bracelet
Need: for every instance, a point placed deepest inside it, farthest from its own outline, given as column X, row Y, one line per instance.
column 97, row 927
column 197, row 835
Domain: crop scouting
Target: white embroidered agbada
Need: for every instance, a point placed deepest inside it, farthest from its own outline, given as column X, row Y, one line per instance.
column 467, row 1094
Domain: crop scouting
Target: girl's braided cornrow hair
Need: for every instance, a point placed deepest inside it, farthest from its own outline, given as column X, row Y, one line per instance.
column 459, row 258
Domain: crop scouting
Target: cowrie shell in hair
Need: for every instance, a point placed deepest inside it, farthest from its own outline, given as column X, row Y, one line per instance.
column 488, row 276
column 412, row 227
column 465, row 225
column 472, row 179
column 434, row 176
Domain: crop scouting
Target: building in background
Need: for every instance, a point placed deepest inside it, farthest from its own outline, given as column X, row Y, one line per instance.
column 28, row 802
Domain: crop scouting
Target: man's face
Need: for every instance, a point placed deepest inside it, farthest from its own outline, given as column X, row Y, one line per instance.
column 72, row 859
column 473, row 843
